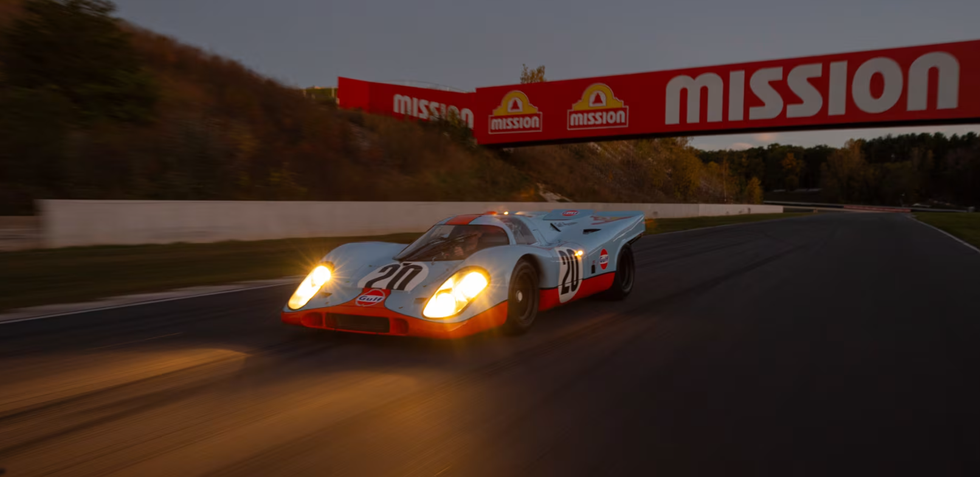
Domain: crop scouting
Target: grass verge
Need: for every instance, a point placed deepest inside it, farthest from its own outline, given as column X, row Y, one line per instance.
column 966, row 227
column 662, row 226
column 76, row 274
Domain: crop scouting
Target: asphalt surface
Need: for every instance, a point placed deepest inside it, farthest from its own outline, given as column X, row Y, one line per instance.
column 838, row 344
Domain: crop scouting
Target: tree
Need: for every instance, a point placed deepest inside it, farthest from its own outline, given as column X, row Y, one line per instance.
column 76, row 49
column 898, row 183
column 685, row 168
column 884, row 170
column 535, row 75
column 33, row 143
column 844, row 172
column 792, row 170
column 753, row 191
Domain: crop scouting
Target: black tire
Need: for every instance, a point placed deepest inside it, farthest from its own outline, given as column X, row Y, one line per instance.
column 522, row 299
column 625, row 276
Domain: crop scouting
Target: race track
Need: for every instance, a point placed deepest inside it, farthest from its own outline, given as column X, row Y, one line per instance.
column 838, row 344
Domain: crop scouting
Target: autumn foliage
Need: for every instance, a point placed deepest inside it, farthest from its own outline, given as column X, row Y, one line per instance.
column 93, row 108
column 207, row 128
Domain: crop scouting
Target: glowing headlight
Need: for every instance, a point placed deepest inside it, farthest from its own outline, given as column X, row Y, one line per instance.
column 456, row 293
column 314, row 281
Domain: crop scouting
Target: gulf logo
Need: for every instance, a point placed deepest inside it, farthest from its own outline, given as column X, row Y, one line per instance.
column 599, row 108
column 569, row 213
column 515, row 114
column 603, row 259
column 371, row 298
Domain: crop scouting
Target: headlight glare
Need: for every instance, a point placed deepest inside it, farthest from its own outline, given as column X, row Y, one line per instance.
column 309, row 288
column 456, row 293
column 472, row 284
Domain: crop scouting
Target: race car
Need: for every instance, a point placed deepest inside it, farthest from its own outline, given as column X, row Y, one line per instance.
column 470, row 273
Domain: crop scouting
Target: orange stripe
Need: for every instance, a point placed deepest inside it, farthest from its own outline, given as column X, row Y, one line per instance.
column 589, row 286
column 463, row 219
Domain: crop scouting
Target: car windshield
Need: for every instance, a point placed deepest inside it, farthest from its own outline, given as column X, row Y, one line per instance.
column 453, row 242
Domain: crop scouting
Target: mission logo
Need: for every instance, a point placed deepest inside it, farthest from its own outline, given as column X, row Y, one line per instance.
column 598, row 109
column 515, row 115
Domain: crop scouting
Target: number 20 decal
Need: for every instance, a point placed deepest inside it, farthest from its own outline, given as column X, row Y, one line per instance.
column 569, row 274
column 396, row 276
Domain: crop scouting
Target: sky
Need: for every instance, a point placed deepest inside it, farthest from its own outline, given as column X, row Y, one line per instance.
column 468, row 43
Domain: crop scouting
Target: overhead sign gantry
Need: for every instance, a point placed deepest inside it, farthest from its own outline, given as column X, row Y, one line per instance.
column 922, row 85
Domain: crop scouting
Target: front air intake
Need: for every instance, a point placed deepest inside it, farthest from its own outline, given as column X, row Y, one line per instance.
column 368, row 324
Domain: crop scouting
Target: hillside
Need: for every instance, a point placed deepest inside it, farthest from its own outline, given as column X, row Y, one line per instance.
column 187, row 124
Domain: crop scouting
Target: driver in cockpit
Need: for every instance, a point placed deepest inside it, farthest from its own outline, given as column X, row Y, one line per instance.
column 468, row 246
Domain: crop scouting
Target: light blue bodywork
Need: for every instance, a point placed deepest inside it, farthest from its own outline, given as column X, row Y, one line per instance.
column 559, row 230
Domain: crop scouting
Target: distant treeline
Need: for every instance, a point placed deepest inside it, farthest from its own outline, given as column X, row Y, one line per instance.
column 890, row 170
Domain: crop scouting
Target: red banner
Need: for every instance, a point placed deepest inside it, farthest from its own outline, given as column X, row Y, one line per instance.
column 401, row 101
column 937, row 84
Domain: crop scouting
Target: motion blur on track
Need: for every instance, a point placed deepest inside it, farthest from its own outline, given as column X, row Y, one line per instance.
column 828, row 345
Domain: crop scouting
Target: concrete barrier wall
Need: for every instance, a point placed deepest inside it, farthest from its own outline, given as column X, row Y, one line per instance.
column 19, row 233
column 68, row 223
column 713, row 210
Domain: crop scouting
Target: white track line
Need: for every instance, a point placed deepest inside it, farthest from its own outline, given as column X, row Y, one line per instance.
column 139, row 303
column 937, row 229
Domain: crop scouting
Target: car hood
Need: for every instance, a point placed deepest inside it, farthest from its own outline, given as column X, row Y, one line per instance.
column 402, row 287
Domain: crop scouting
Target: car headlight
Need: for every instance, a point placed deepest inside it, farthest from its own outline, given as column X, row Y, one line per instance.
column 456, row 293
column 309, row 288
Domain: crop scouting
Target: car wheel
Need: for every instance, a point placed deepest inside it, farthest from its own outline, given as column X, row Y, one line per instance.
column 625, row 276
column 522, row 299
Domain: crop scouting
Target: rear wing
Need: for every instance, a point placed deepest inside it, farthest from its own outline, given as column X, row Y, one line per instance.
column 577, row 214
column 598, row 221
column 556, row 224
column 568, row 214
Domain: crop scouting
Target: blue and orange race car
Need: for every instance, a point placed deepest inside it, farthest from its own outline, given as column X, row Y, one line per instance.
column 470, row 273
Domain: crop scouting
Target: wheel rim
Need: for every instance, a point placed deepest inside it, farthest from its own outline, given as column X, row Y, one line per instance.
column 627, row 268
column 522, row 299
